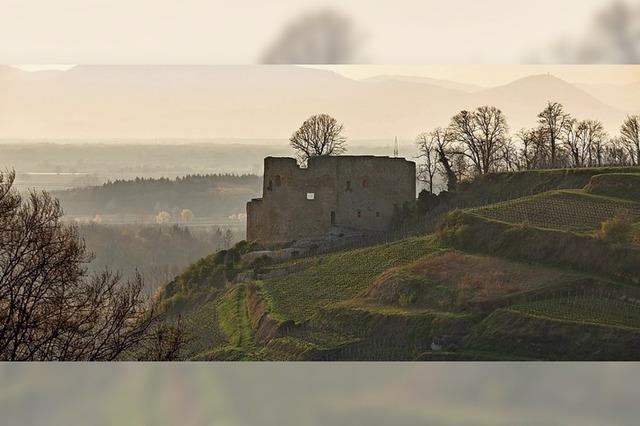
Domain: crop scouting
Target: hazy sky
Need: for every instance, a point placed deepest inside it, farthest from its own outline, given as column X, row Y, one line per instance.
column 492, row 75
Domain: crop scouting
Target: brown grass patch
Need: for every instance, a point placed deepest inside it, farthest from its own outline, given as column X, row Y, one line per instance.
column 477, row 279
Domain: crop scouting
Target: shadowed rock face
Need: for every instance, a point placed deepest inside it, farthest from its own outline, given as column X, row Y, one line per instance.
column 357, row 193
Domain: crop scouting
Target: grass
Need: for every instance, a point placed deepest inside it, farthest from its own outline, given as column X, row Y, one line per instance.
column 620, row 185
column 566, row 210
column 586, row 309
column 452, row 281
column 496, row 187
column 636, row 233
column 549, row 247
column 517, row 333
column 233, row 318
column 339, row 276
column 402, row 311
column 202, row 329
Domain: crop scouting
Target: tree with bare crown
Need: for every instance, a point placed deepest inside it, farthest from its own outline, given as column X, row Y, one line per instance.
column 319, row 135
column 481, row 136
column 553, row 121
column 435, row 156
column 630, row 137
column 51, row 309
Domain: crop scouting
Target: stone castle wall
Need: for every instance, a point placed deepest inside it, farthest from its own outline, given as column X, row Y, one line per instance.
column 351, row 192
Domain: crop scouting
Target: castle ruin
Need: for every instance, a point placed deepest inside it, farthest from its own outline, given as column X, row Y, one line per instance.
column 356, row 193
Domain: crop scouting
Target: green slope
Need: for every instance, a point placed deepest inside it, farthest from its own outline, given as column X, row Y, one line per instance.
column 521, row 279
column 567, row 210
column 340, row 276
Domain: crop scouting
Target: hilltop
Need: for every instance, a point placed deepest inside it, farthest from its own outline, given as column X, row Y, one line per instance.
column 532, row 273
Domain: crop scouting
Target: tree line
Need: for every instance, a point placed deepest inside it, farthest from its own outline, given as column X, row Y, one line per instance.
column 196, row 178
column 478, row 142
column 204, row 195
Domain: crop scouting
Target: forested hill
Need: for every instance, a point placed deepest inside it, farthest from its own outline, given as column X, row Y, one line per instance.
column 213, row 195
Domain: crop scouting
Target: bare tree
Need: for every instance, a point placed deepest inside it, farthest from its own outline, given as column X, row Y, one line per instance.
column 437, row 146
column 552, row 120
column 459, row 166
column 595, row 138
column 574, row 143
column 534, row 153
column 482, row 135
column 616, row 153
column 49, row 308
column 510, row 158
column 584, row 142
column 630, row 137
column 165, row 343
column 430, row 164
column 319, row 135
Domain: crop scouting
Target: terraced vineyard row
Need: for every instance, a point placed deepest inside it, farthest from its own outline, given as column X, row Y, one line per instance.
column 559, row 210
column 586, row 309
column 231, row 312
column 339, row 276
column 202, row 327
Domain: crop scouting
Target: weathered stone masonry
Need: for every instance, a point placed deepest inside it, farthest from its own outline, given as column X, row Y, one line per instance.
column 351, row 192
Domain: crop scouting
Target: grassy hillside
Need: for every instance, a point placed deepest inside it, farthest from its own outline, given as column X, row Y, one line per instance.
column 621, row 185
column 586, row 309
column 497, row 187
column 568, row 210
column 527, row 278
column 339, row 276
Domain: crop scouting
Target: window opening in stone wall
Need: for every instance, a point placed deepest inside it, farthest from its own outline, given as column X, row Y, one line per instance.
column 348, row 187
column 365, row 183
column 377, row 214
column 270, row 186
column 359, row 213
column 333, row 218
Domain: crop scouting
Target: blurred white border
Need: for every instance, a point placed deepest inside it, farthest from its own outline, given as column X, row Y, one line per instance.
column 248, row 31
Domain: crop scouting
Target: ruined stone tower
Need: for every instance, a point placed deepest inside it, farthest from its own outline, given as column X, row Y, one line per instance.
column 361, row 193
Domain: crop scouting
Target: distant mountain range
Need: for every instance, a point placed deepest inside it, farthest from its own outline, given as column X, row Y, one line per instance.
column 98, row 101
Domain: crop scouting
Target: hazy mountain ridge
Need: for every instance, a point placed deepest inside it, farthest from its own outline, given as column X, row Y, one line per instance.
column 96, row 101
column 625, row 96
column 447, row 84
